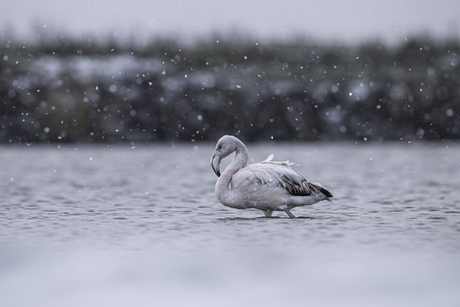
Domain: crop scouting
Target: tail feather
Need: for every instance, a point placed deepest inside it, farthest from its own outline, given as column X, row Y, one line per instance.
column 322, row 189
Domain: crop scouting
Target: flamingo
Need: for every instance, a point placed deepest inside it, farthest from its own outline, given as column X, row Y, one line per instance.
column 268, row 186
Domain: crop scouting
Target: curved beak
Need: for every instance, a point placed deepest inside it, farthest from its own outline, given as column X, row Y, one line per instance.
column 215, row 163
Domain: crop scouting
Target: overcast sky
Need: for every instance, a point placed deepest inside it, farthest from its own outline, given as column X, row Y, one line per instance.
column 349, row 21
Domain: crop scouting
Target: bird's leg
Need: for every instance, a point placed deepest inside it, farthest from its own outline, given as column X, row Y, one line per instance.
column 268, row 213
column 289, row 213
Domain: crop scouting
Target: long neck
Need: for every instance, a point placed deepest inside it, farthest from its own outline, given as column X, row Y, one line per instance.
column 240, row 160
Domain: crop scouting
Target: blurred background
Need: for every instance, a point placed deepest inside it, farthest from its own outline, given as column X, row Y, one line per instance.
column 141, row 71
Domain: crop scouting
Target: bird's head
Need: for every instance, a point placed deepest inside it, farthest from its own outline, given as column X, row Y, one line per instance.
column 224, row 147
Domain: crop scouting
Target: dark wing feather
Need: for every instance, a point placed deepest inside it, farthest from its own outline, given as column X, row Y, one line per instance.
column 302, row 188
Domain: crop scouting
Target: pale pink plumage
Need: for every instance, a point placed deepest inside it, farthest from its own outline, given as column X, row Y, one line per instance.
column 268, row 186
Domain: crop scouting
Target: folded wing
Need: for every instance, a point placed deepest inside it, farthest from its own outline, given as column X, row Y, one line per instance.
column 277, row 173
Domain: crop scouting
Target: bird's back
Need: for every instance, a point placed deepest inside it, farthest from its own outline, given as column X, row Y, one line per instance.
column 277, row 182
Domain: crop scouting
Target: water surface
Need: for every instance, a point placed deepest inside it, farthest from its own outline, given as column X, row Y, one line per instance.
column 118, row 225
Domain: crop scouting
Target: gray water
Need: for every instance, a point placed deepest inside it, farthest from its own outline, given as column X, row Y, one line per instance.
column 141, row 226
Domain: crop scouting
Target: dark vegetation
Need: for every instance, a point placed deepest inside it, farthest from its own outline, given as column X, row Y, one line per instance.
column 88, row 90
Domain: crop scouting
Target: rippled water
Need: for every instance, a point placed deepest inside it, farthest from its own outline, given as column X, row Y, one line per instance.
column 116, row 225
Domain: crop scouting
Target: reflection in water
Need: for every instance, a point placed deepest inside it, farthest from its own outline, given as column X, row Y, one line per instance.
column 229, row 219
